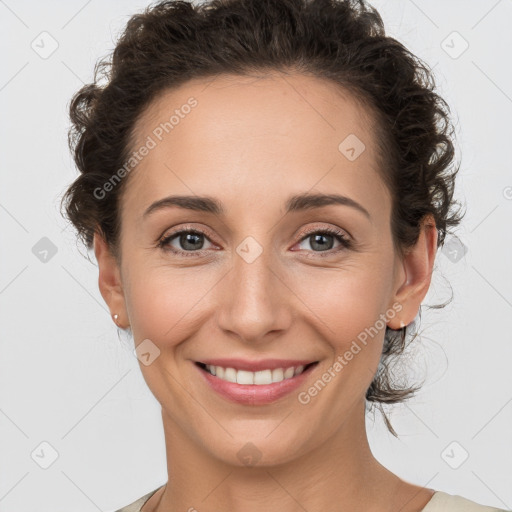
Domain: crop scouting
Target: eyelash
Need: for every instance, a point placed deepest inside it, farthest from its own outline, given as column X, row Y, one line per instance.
column 345, row 242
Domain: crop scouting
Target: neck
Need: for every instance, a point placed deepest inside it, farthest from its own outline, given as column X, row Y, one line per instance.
column 340, row 473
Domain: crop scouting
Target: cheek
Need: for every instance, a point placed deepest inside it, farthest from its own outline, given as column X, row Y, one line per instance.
column 346, row 305
column 347, row 310
column 163, row 303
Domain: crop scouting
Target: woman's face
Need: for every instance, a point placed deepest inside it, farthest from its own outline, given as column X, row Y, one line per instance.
column 262, row 280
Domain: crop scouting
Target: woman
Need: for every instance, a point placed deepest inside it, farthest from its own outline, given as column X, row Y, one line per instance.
column 306, row 157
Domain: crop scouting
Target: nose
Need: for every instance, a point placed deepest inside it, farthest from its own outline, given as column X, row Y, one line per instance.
column 253, row 300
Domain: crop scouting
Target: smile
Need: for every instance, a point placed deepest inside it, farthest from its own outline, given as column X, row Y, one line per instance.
column 263, row 386
column 259, row 378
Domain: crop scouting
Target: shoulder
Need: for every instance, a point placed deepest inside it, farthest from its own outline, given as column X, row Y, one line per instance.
column 444, row 502
column 137, row 504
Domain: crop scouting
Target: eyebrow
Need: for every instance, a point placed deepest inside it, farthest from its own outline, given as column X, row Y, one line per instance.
column 299, row 202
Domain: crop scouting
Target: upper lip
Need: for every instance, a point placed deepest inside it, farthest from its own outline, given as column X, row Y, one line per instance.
column 254, row 366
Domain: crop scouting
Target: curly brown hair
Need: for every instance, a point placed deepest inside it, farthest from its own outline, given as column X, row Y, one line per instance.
column 342, row 41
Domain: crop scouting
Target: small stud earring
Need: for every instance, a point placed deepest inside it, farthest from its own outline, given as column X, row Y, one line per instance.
column 116, row 316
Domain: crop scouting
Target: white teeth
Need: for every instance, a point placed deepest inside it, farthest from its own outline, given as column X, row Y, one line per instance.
column 263, row 377
column 243, row 377
column 299, row 369
column 230, row 374
column 259, row 378
column 277, row 375
column 289, row 372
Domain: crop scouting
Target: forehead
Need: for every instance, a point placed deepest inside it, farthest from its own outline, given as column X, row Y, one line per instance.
column 259, row 137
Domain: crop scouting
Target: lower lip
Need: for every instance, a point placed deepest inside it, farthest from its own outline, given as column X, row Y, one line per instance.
column 255, row 394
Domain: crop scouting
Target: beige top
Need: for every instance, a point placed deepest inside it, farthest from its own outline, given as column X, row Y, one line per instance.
column 440, row 502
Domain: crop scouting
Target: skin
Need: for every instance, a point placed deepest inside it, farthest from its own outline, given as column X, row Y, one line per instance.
column 251, row 143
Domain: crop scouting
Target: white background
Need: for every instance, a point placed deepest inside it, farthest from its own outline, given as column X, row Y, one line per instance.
column 67, row 380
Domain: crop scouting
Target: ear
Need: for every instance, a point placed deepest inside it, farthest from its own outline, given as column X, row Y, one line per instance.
column 416, row 273
column 109, row 280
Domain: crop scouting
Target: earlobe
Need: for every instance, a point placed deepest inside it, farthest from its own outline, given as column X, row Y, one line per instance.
column 109, row 280
column 417, row 266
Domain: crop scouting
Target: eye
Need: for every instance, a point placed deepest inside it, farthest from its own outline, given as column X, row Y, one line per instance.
column 189, row 240
column 321, row 240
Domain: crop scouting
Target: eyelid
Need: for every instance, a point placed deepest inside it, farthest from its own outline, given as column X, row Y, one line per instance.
column 329, row 229
column 185, row 227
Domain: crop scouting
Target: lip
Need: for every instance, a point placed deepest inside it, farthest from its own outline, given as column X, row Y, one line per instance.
column 256, row 366
column 254, row 394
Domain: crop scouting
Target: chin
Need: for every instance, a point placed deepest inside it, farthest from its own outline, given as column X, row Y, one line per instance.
column 260, row 450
